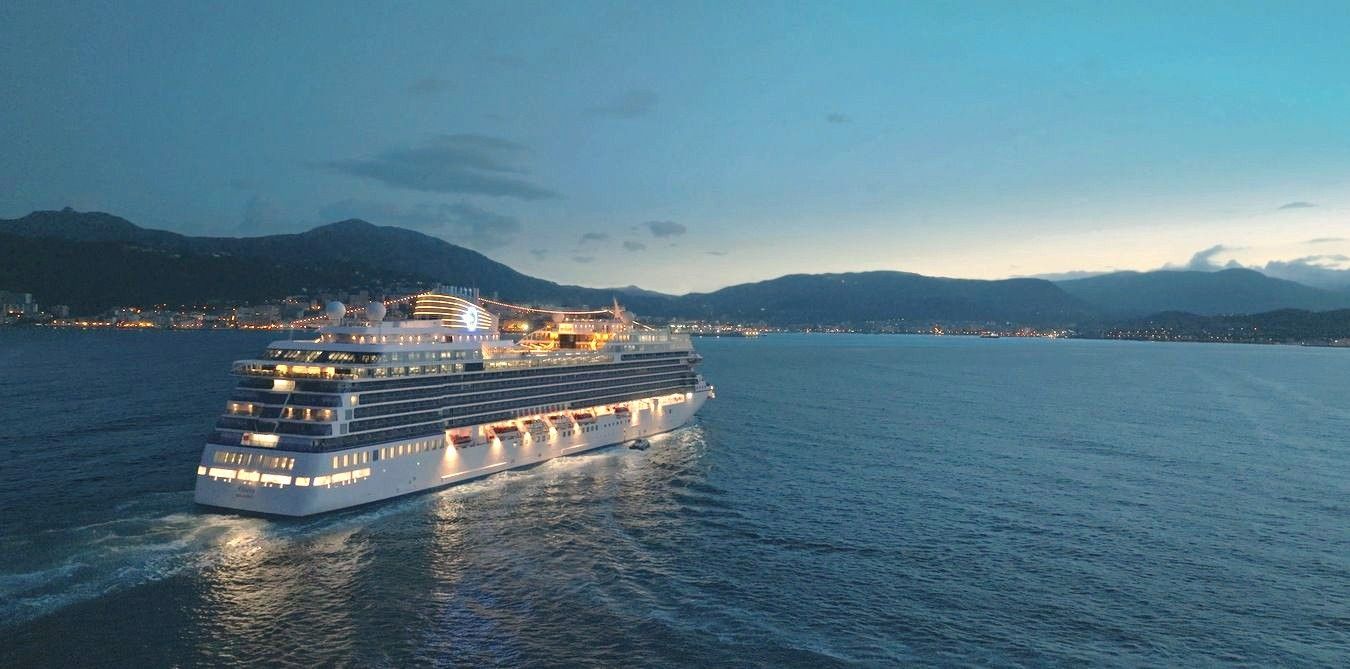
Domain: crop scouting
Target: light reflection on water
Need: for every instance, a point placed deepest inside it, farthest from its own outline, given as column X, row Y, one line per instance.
column 263, row 573
column 845, row 500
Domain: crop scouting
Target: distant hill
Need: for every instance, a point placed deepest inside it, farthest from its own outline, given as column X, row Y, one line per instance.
column 641, row 292
column 1283, row 325
column 136, row 265
column 91, row 226
column 93, row 261
column 346, row 253
column 1230, row 291
column 93, row 276
column 872, row 296
column 399, row 250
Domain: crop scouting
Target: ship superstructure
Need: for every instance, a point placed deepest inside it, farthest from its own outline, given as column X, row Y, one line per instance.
column 372, row 409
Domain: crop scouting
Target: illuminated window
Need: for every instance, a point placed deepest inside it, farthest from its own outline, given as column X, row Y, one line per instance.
column 264, row 440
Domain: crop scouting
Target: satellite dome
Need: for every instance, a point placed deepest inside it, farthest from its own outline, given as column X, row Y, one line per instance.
column 335, row 311
column 375, row 311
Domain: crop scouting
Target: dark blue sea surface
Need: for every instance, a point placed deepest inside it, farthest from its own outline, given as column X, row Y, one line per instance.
column 845, row 501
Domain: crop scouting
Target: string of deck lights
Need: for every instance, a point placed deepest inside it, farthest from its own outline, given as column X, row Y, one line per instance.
column 544, row 311
column 557, row 311
column 405, row 298
column 352, row 310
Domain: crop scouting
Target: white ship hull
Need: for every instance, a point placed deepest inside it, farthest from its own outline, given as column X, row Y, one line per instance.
column 310, row 483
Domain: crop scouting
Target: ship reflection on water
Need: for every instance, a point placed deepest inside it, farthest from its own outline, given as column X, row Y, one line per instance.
column 462, row 573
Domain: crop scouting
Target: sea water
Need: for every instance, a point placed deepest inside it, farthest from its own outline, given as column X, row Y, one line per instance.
column 847, row 500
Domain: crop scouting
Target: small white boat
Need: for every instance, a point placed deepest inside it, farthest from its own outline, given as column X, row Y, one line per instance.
column 640, row 444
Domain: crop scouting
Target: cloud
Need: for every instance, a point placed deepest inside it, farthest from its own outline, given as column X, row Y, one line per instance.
column 261, row 216
column 1203, row 261
column 716, row 253
column 665, row 228
column 539, row 254
column 634, row 246
column 468, row 164
column 1066, row 276
column 459, row 222
column 429, row 86
column 1296, row 205
column 593, row 237
column 632, row 104
column 1327, row 270
column 836, row 117
column 583, row 259
column 1330, row 271
column 484, row 229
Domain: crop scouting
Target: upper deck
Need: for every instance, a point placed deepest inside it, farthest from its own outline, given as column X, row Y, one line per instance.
column 363, row 379
column 449, row 334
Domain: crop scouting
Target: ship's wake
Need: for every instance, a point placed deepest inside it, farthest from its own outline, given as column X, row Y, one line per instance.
column 162, row 535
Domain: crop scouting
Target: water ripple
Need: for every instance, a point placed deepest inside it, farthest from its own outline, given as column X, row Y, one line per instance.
column 847, row 501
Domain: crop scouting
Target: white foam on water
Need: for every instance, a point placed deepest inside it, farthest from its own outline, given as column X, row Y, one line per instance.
column 153, row 538
column 90, row 560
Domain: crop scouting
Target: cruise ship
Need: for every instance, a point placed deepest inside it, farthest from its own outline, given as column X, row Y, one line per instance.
column 371, row 409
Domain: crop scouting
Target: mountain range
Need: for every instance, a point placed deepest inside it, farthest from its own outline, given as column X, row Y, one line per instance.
column 93, row 261
column 1227, row 291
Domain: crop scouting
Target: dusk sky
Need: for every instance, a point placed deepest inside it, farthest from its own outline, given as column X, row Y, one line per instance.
column 687, row 146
